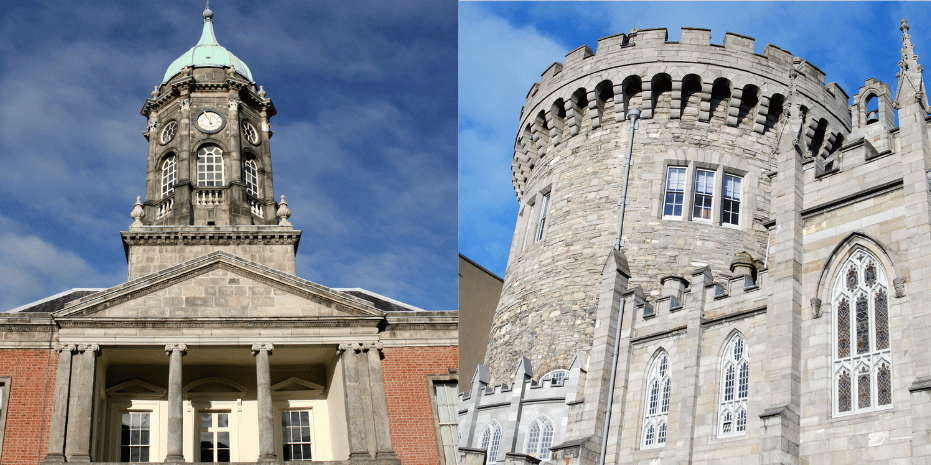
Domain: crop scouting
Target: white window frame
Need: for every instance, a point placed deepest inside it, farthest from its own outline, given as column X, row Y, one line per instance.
column 250, row 177
column 709, row 196
column 281, row 436
column 540, row 434
column 538, row 236
column 725, row 199
column 557, row 377
column 491, row 441
column 655, row 428
column 441, row 418
column 734, row 392
column 230, row 428
column 156, row 434
column 216, row 161
column 667, row 191
column 169, row 175
column 873, row 358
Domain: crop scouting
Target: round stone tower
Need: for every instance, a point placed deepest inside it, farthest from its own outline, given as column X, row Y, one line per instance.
column 702, row 158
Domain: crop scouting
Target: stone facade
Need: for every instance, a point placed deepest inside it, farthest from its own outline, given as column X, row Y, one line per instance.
column 832, row 212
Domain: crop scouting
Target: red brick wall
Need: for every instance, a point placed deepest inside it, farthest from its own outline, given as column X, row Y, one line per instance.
column 30, row 404
column 413, row 433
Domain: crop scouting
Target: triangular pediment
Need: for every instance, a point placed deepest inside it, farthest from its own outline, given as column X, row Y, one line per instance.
column 220, row 287
column 137, row 388
column 296, row 384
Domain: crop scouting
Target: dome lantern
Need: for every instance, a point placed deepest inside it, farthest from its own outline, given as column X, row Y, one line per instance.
column 208, row 53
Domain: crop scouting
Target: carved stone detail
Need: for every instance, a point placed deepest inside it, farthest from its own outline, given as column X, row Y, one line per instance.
column 138, row 213
column 186, row 104
column 169, row 348
column 815, row 307
column 899, row 285
column 267, row 347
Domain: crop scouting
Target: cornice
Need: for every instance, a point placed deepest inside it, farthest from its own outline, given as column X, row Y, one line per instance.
column 220, row 322
column 194, row 237
column 172, row 91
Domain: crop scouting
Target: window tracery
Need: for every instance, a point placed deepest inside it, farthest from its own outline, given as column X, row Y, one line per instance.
column 491, row 438
column 735, row 369
column 540, row 438
column 656, row 411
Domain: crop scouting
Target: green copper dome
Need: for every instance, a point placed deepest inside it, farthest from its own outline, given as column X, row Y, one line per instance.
column 207, row 54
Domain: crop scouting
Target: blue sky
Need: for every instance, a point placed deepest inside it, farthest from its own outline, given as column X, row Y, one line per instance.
column 363, row 145
column 505, row 46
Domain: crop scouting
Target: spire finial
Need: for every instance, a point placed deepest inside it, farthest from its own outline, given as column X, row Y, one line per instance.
column 208, row 13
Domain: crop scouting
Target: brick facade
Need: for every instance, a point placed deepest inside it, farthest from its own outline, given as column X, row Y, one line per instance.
column 32, row 373
column 405, row 369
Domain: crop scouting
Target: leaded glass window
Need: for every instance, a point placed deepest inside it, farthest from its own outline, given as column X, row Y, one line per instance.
column 656, row 411
column 704, row 193
column 169, row 176
column 540, row 438
column 491, row 439
column 862, row 353
column 675, row 192
column 735, row 386
column 250, row 177
column 210, row 166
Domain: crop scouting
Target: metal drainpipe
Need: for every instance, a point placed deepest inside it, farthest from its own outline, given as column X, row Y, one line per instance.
column 632, row 115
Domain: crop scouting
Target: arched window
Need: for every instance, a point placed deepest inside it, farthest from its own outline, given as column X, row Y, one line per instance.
column 735, row 384
column 862, row 356
column 557, row 377
column 209, row 166
column 169, row 176
column 250, row 177
column 540, row 438
column 656, row 409
column 491, row 438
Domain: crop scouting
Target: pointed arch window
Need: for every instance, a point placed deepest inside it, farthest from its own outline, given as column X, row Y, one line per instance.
column 862, row 355
column 169, row 176
column 735, row 387
column 210, row 166
column 491, row 439
column 540, row 438
column 250, row 176
column 656, row 409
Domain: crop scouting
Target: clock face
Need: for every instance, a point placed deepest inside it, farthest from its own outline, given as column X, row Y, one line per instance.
column 169, row 132
column 210, row 121
column 249, row 132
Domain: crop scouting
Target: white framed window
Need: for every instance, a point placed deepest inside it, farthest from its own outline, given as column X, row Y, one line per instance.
column 735, row 386
column 542, row 222
column 250, row 176
column 540, row 438
column 557, row 377
column 445, row 400
column 675, row 192
column 214, row 440
column 656, row 408
column 169, row 176
column 529, row 210
column 5, row 383
column 703, row 196
column 135, row 437
column 210, row 166
column 491, row 439
column 296, row 437
column 730, row 204
column 862, row 354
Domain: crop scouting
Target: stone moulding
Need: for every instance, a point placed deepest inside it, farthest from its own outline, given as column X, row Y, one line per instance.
column 219, row 322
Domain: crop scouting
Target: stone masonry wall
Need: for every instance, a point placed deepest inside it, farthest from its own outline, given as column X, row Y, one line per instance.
column 405, row 369
column 25, row 440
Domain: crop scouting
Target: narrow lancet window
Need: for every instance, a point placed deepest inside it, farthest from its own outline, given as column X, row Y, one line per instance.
column 735, row 369
column 656, row 411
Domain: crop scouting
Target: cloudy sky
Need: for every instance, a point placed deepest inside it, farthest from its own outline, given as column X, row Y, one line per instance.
column 504, row 47
column 364, row 145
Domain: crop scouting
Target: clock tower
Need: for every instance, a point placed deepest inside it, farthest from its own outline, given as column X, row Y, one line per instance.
column 208, row 130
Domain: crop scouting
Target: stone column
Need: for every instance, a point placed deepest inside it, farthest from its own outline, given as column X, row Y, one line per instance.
column 264, row 394
column 81, row 405
column 383, row 449
column 175, row 451
column 232, row 123
column 358, row 440
column 56, row 440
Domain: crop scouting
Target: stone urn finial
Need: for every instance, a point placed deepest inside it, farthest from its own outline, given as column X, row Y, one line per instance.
column 155, row 92
column 283, row 213
column 261, row 92
column 138, row 213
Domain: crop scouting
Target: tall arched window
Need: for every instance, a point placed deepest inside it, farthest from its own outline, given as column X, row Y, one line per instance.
column 209, row 166
column 540, row 438
column 862, row 356
column 491, row 438
column 250, row 177
column 735, row 385
column 656, row 409
column 169, row 176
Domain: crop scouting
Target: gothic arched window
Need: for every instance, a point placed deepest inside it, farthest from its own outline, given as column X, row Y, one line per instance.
column 540, row 438
column 656, row 409
column 491, row 438
column 209, row 166
column 735, row 385
column 169, row 176
column 250, row 177
column 556, row 377
column 862, row 355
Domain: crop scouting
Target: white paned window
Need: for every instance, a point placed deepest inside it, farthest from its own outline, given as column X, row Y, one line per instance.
column 862, row 354
column 656, row 408
column 704, row 195
column 730, row 205
column 546, row 201
column 214, row 437
column 446, row 402
column 135, row 437
column 210, row 166
column 251, row 177
column 491, row 438
column 558, row 377
column 675, row 192
column 169, row 176
column 296, row 439
column 735, row 387
column 529, row 210
column 540, row 438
